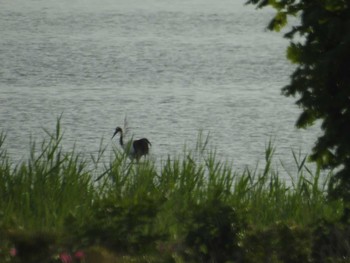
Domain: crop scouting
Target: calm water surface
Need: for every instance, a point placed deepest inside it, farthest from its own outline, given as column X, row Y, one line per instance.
column 172, row 67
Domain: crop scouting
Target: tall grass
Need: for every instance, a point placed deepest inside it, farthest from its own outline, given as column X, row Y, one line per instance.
column 40, row 192
column 132, row 205
column 52, row 183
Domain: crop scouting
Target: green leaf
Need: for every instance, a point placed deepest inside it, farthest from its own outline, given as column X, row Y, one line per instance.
column 259, row 3
column 294, row 53
column 306, row 119
column 278, row 22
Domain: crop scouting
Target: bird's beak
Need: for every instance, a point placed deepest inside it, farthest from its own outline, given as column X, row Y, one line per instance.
column 114, row 134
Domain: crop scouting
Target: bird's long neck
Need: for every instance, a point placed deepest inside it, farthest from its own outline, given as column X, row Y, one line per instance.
column 121, row 139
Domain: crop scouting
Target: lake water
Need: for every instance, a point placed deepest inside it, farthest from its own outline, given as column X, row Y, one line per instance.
column 172, row 67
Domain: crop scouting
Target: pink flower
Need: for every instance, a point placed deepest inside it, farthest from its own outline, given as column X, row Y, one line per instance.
column 65, row 257
column 13, row 252
column 79, row 255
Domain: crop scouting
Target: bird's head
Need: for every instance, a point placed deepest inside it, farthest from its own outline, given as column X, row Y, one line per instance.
column 118, row 129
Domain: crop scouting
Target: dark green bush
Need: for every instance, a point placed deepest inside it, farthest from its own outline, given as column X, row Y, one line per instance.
column 278, row 243
column 331, row 242
column 32, row 247
column 211, row 232
column 127, row 226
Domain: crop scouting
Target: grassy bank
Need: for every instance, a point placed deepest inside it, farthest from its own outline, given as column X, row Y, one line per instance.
column 194, row 208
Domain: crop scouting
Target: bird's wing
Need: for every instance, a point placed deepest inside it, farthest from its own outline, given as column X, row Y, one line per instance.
column 141, row 145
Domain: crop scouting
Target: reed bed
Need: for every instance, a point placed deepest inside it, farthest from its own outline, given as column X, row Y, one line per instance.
column 191, row 208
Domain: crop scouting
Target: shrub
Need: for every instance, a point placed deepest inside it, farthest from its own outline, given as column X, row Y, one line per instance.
column 211, row 232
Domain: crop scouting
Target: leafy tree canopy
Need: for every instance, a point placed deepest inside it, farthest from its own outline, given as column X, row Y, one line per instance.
column 320, row 47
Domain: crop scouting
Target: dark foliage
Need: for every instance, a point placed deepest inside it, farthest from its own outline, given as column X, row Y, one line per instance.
column 331, row 242
column 34, row 247
column 320, row 46
column 278, row 243
column 212, row 233
column 127, row 226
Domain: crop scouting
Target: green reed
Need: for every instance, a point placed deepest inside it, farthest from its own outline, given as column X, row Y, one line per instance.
column 54, row 187
column 40, row 192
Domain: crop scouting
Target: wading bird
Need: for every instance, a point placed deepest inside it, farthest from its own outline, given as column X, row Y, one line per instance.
column 134, row 148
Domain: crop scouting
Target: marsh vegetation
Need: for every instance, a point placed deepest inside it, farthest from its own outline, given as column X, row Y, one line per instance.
column 191, row 208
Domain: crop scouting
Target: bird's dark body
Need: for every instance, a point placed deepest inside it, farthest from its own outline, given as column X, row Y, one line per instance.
column 135, row 149
column 141, row 147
